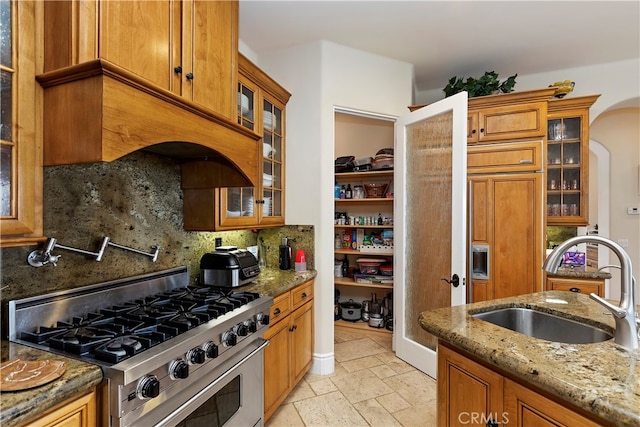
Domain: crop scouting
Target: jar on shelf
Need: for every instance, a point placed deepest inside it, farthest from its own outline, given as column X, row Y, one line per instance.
column 358, row 192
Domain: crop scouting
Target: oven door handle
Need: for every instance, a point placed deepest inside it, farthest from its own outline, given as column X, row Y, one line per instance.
column 170, row 420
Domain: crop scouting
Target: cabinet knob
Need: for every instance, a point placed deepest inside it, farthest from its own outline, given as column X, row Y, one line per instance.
column 473, row 131
column 189, row 76
column 276, row 311
column 574, row 289
column 492, row 423
column 177, row 70
column 481, row 130
column 304, row 295
column 293, row 328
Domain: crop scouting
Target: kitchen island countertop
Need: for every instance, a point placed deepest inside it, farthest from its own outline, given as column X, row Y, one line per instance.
column 602, row 379
column 18, row 407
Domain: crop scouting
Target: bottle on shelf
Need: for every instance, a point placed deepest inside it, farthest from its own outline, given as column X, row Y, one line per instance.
column 349, row 192
column 336, row 190
column 343, row 192
column 380, row 221
column 345, row 266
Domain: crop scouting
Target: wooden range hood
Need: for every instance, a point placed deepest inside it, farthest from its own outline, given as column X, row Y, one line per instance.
column 97, row 111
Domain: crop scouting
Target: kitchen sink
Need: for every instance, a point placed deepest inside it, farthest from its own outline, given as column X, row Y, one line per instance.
column 546, row 326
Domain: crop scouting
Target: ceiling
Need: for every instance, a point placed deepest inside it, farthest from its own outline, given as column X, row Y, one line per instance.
column 454, row 38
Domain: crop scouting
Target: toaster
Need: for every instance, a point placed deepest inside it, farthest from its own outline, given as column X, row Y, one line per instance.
column 228, row 267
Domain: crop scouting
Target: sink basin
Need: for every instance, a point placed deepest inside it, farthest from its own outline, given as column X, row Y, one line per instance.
column 545, row 326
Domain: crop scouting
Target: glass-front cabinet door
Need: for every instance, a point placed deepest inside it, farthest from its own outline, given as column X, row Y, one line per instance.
column 261, row 108
column 568, row 161
column 20, row 152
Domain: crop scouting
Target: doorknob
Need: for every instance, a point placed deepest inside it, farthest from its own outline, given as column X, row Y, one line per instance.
column 455, row 281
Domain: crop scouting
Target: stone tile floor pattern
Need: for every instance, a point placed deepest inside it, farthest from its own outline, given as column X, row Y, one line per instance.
column 369, row 387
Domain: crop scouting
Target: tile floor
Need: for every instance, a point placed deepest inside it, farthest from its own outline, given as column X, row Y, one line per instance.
column 369, row 387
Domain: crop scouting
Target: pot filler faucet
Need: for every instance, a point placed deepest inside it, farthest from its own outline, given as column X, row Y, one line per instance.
column 625, row 315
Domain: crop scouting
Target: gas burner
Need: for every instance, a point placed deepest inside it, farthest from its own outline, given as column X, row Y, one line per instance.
column 121, row 348
column 80, row 340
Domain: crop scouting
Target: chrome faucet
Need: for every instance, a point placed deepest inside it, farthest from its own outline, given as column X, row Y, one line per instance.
column 625, row 315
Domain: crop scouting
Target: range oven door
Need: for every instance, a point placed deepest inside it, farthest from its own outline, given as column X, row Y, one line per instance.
column 234, row 398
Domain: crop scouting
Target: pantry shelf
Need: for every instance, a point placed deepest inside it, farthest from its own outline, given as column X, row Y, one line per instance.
column 349, row 282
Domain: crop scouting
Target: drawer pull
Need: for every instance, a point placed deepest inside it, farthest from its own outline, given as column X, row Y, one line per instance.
column 276, row 311
column 526, row 161
column 304, row 295
column 574, row 289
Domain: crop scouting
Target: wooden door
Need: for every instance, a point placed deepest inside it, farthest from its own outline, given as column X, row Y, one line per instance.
column 142, row 37
column 526, row 408
column 468, row 393
column 211, row 32
column 517, row 240
column 302, row 340
column 430, row 222
column 277, row 366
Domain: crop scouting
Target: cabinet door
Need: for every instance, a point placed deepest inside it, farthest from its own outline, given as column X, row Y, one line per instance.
column 20, row 142
column 302, row 341
column 211, row 30
column 526, row 408
column 468, row 393
column 80, row 412
column 144, row 38
column 513, row 122
column 567, row 173
column 277, row 363
column 518, row 235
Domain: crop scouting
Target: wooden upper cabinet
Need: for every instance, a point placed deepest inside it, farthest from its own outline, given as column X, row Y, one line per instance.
column 187, row 47
column 260, row 106
column 20, row 136
column 568, row 161
column 515, row 116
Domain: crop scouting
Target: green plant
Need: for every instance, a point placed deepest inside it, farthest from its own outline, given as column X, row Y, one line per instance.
column 485, row 85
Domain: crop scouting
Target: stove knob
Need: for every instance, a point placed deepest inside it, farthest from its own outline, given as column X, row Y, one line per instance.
column 263, row 319
column 229, row 339
column 251, row 325
column 195, row 356
column 148, row 387
column 178, row 369
column 241, row 329
column 210, row 349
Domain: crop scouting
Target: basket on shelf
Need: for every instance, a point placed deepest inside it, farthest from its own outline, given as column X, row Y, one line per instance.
column 375, row 190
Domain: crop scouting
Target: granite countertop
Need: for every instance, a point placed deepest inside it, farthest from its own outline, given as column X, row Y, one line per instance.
column 603, row 378
column 582, row 272
column 18, row 407
column 273, row 281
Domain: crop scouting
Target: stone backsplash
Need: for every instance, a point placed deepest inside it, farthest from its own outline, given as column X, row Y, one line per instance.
column 137, row 202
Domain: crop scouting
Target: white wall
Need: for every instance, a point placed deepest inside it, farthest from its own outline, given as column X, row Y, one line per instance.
column 618, row 131
column 322, row 76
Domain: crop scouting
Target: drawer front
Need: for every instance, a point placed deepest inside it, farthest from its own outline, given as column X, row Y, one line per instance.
column 583, row 287
column 302, row 294
column 510, row 157
column 281, row 307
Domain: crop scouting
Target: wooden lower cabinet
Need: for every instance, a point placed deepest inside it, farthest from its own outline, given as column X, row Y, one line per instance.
column 583, row 286
column 289, row 354
column 77, row 412
column 471, row 394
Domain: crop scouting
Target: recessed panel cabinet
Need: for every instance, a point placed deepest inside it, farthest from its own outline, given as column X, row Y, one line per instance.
column 187, row 47
column 471, row 394
column 20, row 137
column 289, row 354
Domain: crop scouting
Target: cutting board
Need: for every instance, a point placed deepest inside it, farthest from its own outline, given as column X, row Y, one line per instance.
column 17, row 374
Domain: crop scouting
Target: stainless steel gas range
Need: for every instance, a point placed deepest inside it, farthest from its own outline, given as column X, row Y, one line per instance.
column 171, row 353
